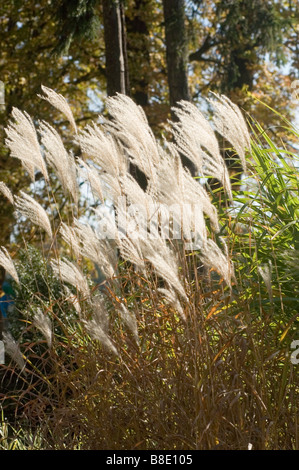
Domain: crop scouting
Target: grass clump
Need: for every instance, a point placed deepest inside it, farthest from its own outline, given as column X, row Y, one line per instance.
column 170, row 334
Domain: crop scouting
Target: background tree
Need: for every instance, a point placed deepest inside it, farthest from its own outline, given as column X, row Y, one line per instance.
column 117, row 74
column 176, row 50
column 240, row 46
column 137, row 22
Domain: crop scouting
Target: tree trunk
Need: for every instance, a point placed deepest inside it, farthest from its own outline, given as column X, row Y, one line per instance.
column 139, row 52
column 176, row 50
column 176, row 58
column 115, row 46
column 117, row 73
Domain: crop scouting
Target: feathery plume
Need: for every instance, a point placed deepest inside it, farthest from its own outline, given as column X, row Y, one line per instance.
column 59, row 102
column 196, row 140
column 106, row 224
column 71, row 274
column 103, row 150
column 72, row 299
column 195, row 194
column 23, row 143
column 133, row 221
column 70, row 237
column 134, row 193
column 266, row 274
column 93, row 177
column 43, row 324
column 111, row 187
column 169, row 187
column 176, row 187
column 100, row 314
column 131, row 251
column 163, row 260
column 7, row 263
column 13, row 350
column 6, row 192
column 231, row 124
column 99, row 251
column 28, row 207
column 96, row 332
column 61, row 161
column 130, row 320
column 171, row 297
column 213, row 257
column 130, row 127
column 193, row 133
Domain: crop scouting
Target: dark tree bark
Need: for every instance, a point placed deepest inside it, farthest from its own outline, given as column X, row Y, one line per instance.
column 176, row 58
column 176, row 50
column 117, row 73
column 240, row 73
column 138, row 40
column 115, row 46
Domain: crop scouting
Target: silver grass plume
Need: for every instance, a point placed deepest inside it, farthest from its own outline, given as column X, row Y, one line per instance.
column 196, row 139
column 266, row 274
column 106, row 224
column 170, row 193
column 71, row 274
column 13, row 350
column 194, row 134
column 231, row 124
column 6, row 192
column 171, row 297
column 91, row 174
column 31, row 209
column 195, row 194
column 134, row 193
column 111, row 187
column 59, row 102
column 102, row 148
column 169, row 187
column 133, row 221
column 43, row 324
column 100, row 251
column 131, row 251
column 23, row 143
column 129, row 248
column 130, row 320
column 129, row 117
column 7, row 263
column 130, row 127
column 213, row 257
column 72, row 299
column 100, row 313
column 96, row 332
column 69, row 235
column 61, row 161
column 163, row 261
column 177, row 187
